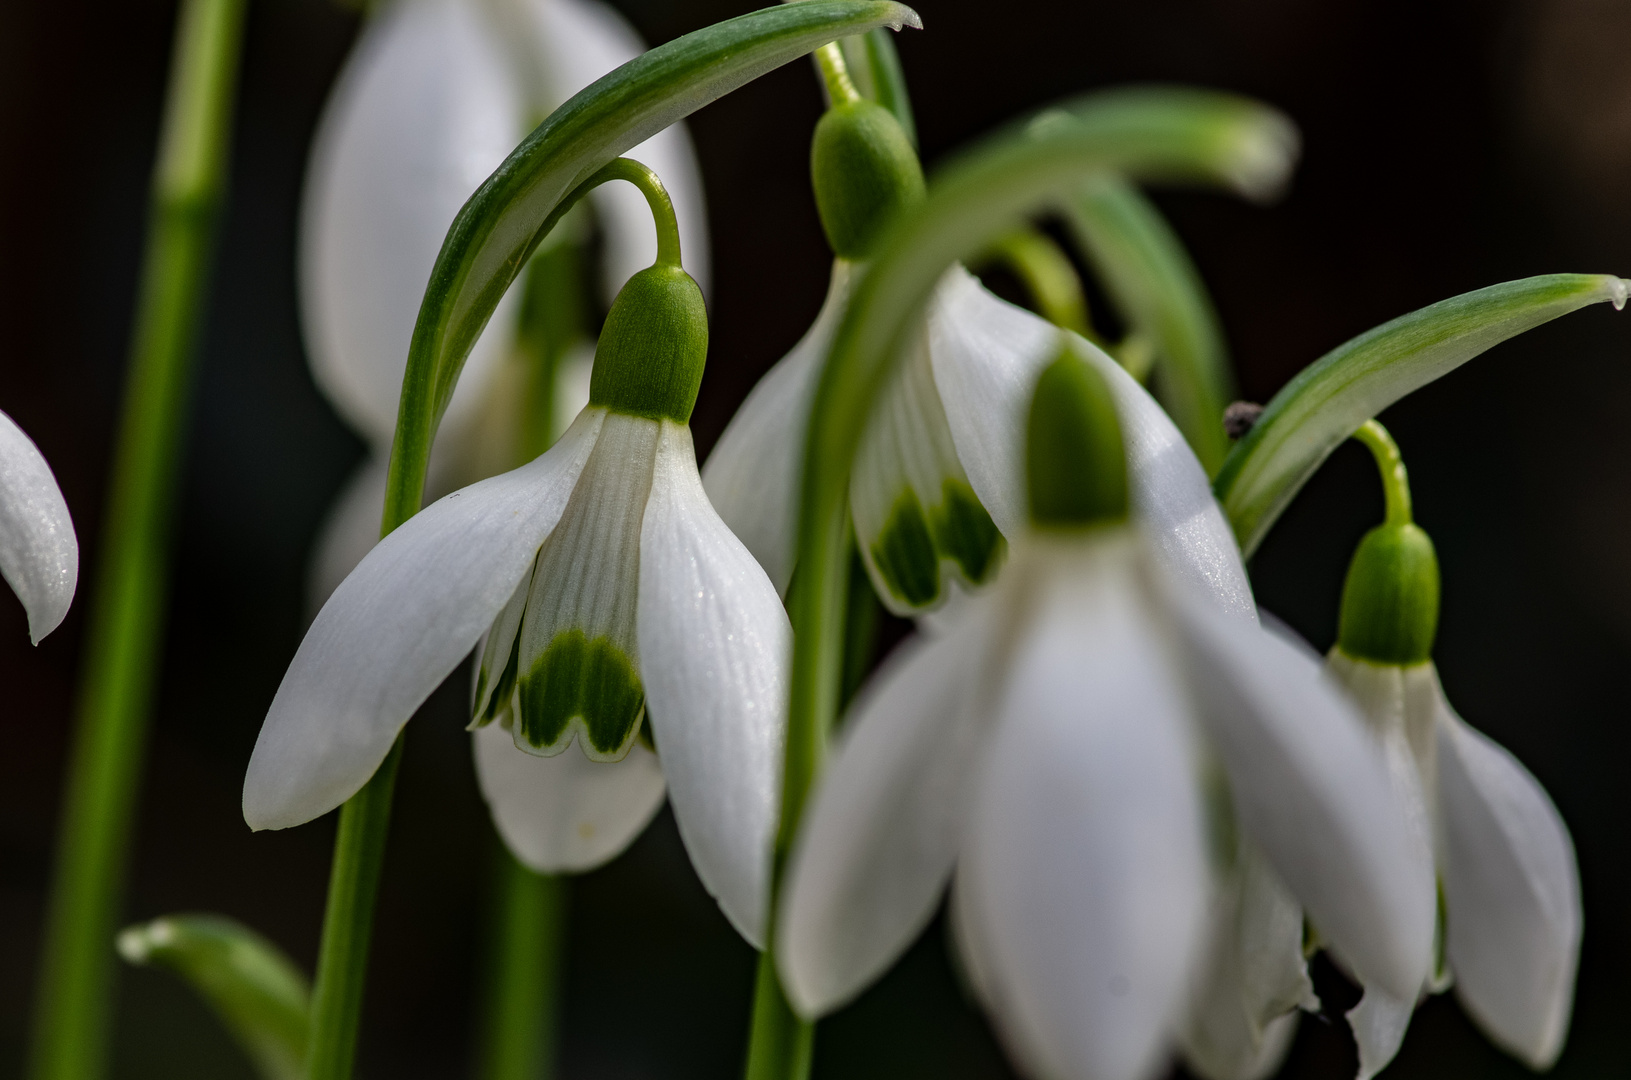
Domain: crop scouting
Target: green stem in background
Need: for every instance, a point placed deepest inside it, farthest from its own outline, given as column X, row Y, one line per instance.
column 524, row 962
column 127, row 615
column 1390, row 467
column 874, row 65
column 554, row 313
column 1045, row 271
column 1330, row 398
column 256, row 990
column 1154, row 284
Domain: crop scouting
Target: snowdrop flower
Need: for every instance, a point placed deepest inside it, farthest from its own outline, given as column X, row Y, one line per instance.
column 39, row 553
column 432, row 99
column 614, row 602
column 1100, row 753
column 1510, row 888
column 934, row 492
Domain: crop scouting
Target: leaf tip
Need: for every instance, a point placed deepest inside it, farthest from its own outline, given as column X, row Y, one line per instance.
column 1618, row 289
column 903, row 17
column 1265, row 152
column 137, row 943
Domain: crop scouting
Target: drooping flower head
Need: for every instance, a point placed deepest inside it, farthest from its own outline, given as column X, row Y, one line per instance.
column 614, row 603
column 39, row 553
column 1106, row 763
column 1510, row 890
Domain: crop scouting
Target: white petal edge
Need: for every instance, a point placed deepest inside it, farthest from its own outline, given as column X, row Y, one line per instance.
column 39, row 553
column 987, row 355
column 1379, row 1023
column 424, row 110
column 399, row 625
column 715, row 648
column 565, row 814
column 879, row 835
column 1312, row 791
column 753, row 473
column 1512, row 894
column 1086, row 849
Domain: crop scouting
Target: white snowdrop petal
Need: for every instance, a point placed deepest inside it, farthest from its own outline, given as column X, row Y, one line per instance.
column 565, row 814
column 39, row 553
column 1379, row 1023
column 396, row 628
column 1086, row 849
column 753, row 473
column 879, row 834
column 425, row 109
column 1255, row 976
column 1512, row 891
column 987, row 357
column 715, row 645
column 1311, row 789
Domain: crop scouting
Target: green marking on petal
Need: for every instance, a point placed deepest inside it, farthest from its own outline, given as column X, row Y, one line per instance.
column 964, row 531
column 904, row 553
column 502, row 693
column 589, row 681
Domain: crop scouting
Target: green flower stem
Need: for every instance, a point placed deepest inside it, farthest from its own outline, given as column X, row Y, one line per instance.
column 1047, row 274
column 127, row 614
column 651, row 186
column 1390, row 466
column 524, row 962
column 835, row 75
column 874, row 65
column 971, row 204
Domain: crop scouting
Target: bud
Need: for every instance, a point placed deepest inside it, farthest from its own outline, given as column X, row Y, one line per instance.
column 1390, row 600
column 1075, row 464
column 865, row 172
column 651, row 352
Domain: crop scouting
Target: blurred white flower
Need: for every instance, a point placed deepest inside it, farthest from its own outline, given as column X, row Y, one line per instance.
column 1505, row 865
column 39, row 553
column 435, row 95
column 1136, row 790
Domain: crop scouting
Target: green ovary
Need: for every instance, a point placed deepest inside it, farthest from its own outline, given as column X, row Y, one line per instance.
column 583, row 679
column 909, row 548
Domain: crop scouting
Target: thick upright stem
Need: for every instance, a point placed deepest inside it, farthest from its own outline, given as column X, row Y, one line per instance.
column 519, row 1018
column 127, row 617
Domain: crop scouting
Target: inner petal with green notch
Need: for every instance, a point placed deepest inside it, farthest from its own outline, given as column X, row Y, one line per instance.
column 575, row 658
column 917, row 519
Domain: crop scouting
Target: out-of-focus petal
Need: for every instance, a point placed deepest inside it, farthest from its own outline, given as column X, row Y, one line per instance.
column 753, row 473
column 565, row 813
column 425, row 109
column 577, row 42
column 715, row 645
column 1238, row 1025
column 1379, row 1023
column 1313, row 792
column 1086, row 848
column 987, row 356
column 1512, row 891
column 879, row 835
column 39, row 553
column 349, row 531
column 396, row 628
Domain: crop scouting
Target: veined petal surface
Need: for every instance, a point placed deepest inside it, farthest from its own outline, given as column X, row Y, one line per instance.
column 565, row 814
column 399, row 625
column 879, row 836
column 425, row 109
column 1086, row 849
column 1512, row 890
column 987, row 356
column 1312, row 791
column 753, row 473
column 715, row 646
column 39, row 553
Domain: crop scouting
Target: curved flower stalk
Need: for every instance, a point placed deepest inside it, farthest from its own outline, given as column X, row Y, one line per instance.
column 434, row 97
column 1510, row 889
column 1111, row 766
column 932, row 494
column 614, row 603
column 39, row 553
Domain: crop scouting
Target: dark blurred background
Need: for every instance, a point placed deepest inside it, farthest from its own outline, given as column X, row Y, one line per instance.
column 1448, row 146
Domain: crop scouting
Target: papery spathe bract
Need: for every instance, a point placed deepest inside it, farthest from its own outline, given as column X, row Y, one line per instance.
column 39, row 553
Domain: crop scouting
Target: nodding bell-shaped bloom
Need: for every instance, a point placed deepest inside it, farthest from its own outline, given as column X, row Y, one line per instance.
column 1509, row 886
column 39, row 553
column 618, row 611
column 434, row 96
column 1113, row 767
column 934, row 490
